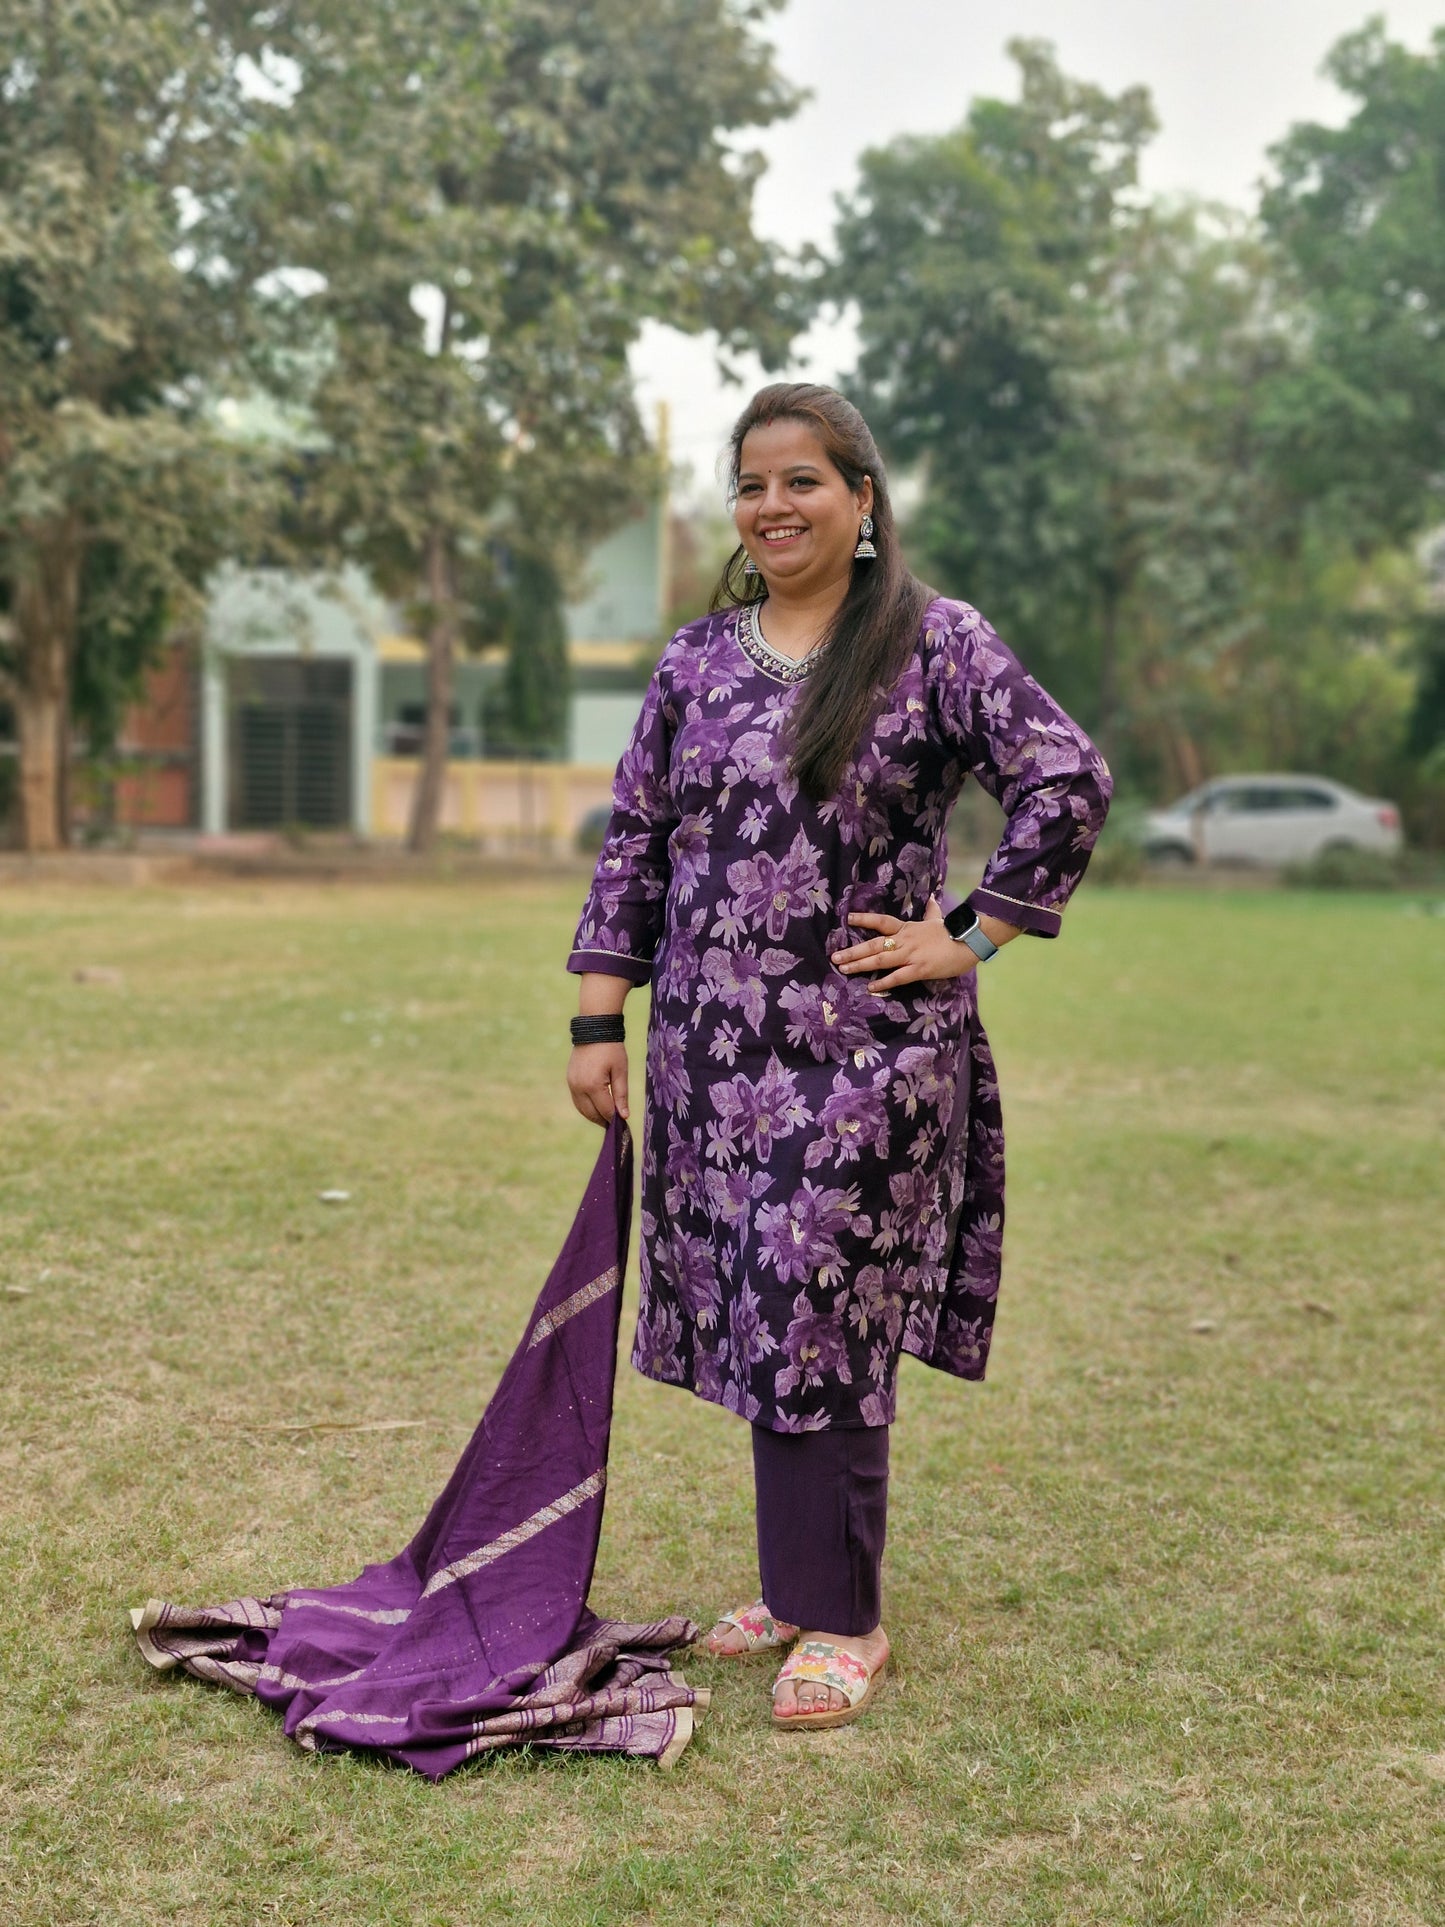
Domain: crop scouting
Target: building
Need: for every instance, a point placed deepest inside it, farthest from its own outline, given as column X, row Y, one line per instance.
column 301, row 704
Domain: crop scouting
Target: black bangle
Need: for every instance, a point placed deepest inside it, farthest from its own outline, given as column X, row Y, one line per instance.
column 606, row 1029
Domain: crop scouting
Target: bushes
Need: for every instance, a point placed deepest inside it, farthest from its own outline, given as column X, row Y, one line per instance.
column 1119, row 855
column 1350, row 869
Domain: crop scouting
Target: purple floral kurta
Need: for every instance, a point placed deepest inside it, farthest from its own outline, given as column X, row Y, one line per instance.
column 822, row 1177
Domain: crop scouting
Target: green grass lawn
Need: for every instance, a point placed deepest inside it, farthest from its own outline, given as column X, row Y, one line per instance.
column 1165, row 1594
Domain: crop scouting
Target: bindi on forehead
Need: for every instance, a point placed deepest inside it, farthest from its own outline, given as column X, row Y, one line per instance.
column 782, row 446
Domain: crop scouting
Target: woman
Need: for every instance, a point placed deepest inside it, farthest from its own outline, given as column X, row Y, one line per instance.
column 823, row 1148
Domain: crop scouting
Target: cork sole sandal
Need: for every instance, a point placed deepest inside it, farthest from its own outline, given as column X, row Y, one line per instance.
column 761, row 1632
column 828, row 1665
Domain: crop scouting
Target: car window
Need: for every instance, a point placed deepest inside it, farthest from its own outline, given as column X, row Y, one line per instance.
column 1304, row 796
column 1251, row 799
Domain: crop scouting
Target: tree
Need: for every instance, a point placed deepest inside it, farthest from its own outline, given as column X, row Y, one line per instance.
column 1085, row 379
column 116, row 124
column 478, row 205
column 1360, row 212
column 1147, row 432
column 1178, row 506
column 981, row 263
column 534, row 688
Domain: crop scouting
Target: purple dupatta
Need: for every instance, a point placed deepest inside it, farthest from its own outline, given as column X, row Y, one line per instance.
column 478, row 1635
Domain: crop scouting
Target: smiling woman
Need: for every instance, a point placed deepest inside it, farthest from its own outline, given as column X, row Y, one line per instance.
column 822, row 1184
column 817, row 541
column 797, row 504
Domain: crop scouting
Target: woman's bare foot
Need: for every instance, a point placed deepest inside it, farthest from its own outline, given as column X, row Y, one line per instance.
column 811, row 1696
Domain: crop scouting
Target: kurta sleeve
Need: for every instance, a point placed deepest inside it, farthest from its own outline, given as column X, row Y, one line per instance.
column 1035, row 761
column 621, row 921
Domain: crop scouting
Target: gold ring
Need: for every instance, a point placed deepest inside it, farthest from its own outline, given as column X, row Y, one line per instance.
column 890, row 943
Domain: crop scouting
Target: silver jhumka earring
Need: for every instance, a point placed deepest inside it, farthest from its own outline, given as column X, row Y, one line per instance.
column 750, row 567
column 865, row 551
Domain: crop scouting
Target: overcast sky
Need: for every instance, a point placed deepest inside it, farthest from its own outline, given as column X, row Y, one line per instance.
column 1227, row 82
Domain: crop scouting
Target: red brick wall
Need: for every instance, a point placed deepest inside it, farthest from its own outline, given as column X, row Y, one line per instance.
column 156, row 787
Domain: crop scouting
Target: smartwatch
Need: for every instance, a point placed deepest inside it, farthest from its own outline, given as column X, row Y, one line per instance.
column 958, row 925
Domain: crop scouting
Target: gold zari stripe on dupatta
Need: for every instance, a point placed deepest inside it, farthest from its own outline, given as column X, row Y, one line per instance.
column 544, row 1516
column 569, row 1307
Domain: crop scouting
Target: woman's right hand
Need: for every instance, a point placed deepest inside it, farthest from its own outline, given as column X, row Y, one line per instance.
column 597, row 1079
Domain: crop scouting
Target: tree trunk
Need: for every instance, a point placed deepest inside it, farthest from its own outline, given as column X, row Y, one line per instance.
column 441, row 645
column 1188, row 759
column 46, row 607
column 39, row 720
column 1109, row 669
column 65, row 775
column 1180, row 752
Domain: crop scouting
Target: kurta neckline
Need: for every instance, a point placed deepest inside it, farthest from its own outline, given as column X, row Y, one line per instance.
column 771, row 662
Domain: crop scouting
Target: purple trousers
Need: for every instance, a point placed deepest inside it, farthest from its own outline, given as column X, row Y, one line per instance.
column 822, row 1517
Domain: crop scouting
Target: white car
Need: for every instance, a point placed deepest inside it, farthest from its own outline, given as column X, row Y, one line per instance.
column 1269, row 819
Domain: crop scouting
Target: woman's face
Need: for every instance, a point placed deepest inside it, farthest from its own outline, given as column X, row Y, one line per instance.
column 795, row 515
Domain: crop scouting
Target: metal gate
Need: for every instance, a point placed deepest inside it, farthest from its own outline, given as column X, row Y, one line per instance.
column 290, row 743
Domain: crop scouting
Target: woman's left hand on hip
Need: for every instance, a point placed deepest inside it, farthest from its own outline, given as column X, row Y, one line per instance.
column 920, row 951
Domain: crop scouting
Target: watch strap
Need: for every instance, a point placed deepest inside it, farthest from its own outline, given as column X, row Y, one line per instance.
column 963, row 926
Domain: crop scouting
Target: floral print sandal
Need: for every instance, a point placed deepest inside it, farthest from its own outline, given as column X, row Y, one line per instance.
column 760, row 1631
column 828, row 1665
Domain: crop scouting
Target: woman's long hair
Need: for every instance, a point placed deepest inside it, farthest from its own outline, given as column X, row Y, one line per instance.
column 870, row 638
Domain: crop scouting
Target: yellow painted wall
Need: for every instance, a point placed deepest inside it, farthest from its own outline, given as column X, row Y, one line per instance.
column 502, row 804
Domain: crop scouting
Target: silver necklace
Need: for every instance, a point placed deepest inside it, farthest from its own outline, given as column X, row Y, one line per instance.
column 772, row 661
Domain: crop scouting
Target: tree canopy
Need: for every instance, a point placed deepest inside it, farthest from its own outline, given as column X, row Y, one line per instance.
column 1359, row 211
column 115, row 496
column 1183, row 457
column 1109, row 403
column 979, row 262
column 476, row 206
column 435, row 229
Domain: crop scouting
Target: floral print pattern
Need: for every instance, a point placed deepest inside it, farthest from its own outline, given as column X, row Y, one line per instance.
column 822, row 1172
